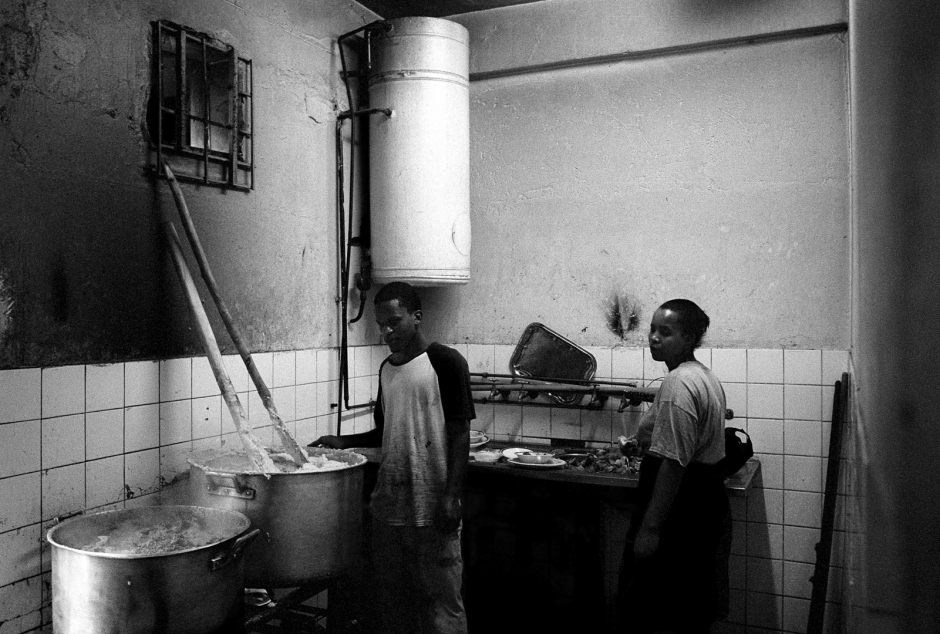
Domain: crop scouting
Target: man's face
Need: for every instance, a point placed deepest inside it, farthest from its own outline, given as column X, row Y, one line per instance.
column 398, row 327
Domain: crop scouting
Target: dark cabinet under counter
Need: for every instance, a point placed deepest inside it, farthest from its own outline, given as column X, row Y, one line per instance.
column 542, row 547
column 539, row 551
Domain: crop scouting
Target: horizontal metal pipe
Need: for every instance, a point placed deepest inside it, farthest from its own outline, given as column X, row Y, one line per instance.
column 561, row 387
column 536, row 379
column 346, row 114
column 488, row 400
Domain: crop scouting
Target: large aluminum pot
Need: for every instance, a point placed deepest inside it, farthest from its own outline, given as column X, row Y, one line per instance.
column 166, row 569
column 310, row 521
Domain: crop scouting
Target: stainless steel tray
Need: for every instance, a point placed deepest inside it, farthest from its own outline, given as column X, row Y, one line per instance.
column 542, row 353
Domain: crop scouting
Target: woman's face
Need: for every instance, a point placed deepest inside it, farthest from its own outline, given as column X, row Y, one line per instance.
column 667, row 341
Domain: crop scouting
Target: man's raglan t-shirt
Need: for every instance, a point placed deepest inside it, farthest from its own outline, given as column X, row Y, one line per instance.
column 414, row 403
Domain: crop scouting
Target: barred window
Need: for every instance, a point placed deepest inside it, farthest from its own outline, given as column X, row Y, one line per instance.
column 200, row 110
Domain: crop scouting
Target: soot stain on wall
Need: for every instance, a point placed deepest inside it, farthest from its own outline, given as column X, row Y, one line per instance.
column 82, row 282
column 59, row 290
column 623, row 315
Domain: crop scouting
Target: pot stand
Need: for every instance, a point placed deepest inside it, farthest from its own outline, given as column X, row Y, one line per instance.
column 291, row 613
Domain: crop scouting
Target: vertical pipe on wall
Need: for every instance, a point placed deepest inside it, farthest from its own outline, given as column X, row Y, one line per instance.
column 344, row 242
column 341, row 298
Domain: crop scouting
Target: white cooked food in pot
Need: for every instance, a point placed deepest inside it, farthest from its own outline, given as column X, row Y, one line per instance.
column 130, row 538
column 237, row 461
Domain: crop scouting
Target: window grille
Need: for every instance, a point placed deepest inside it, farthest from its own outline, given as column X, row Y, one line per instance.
column 201, row 110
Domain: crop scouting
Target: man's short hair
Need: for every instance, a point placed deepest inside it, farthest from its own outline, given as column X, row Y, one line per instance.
column 405, row 293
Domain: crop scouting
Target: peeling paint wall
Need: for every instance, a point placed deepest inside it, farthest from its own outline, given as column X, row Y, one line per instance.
column 717, row 173
column 84, row 274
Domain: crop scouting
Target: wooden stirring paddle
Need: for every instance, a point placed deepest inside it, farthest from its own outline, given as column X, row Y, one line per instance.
column 256, row 453
column 294, row 450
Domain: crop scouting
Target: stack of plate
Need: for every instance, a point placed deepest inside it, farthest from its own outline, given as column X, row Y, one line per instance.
column 477, row 439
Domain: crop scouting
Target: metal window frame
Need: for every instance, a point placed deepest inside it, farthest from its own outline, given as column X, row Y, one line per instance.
column 240, row 130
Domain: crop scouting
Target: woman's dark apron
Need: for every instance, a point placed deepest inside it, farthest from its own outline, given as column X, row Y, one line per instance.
column 680, row 586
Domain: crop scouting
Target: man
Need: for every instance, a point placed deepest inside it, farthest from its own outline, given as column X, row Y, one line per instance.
column 422, row 422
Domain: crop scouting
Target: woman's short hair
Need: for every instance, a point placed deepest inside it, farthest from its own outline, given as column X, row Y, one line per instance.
column 405, row 293
column 691, row 318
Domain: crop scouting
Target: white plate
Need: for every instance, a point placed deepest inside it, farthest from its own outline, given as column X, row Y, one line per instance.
column 554, row 464
column 509, row 454
column 483, row 441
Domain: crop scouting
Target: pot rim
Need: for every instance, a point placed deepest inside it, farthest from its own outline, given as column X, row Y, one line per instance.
column 198, row 460
column 243, row 521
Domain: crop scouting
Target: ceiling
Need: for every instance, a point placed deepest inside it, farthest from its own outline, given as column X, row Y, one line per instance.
column 389, row 9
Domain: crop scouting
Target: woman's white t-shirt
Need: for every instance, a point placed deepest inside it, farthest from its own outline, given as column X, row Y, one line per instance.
column 686, row 421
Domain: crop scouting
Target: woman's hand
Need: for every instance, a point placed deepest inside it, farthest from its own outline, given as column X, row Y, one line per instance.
column 644, row 434
column 646, row 543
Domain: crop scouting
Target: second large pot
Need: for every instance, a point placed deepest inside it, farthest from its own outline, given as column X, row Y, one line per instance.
column 310, row 521
column 149, row 570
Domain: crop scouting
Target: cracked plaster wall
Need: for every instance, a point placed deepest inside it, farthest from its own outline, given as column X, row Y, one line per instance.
column 83, row 271
column 720, row 175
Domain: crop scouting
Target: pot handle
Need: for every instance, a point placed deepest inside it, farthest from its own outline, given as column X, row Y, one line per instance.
column 224, row 559
column 228, row 485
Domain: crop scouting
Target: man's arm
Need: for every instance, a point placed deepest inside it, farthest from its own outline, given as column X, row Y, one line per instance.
column 371, row 438
column 458, row 455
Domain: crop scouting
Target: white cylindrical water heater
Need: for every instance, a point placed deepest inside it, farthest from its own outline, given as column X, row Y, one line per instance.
column 419, row 157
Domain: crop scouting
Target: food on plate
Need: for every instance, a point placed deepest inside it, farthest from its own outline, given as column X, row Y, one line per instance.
column 629, row 446
column 534, row 457
column 485, row 456
column 620, row 459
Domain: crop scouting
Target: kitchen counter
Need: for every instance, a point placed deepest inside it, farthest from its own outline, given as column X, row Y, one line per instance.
column 737, row 485
column 544, row 537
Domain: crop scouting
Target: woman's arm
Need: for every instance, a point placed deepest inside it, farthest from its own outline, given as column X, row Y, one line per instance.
column 644, row 432
column 664, row 493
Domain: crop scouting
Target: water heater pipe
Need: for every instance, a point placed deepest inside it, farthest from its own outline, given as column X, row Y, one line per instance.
column 344, row 241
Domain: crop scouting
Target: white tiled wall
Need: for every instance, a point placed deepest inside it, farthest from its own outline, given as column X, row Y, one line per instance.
column 85, row 438
column 101, row 436
column 783, row 399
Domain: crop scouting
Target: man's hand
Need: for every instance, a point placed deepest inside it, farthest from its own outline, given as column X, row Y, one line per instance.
column 333, row 442
column 449, row 513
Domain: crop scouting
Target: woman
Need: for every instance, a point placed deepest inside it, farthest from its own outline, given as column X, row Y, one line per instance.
column 667, row 579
